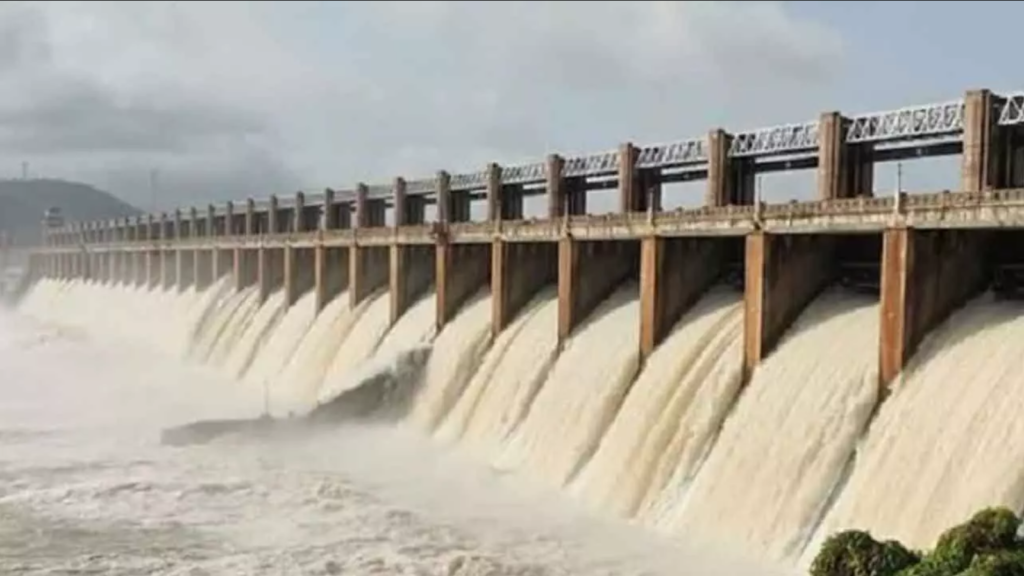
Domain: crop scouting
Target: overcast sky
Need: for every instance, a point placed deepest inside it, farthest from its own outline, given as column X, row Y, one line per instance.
column 236, row 99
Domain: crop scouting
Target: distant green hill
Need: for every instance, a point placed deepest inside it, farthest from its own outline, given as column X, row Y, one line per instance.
column 23, row 202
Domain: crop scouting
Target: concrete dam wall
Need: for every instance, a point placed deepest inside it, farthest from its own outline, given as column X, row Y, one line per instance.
column 743, row 372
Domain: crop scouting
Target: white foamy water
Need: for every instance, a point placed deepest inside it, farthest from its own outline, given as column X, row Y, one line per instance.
column 581, row 394
column 503, row 387
column 372, row 323
column 950, row 439
column 672, row 411
column 412, row 329
column 456, row 353
column 224, row 326
column 279, row 345
column 85, row 486
column 242, row 352
column 297, row 385
column 783, row 449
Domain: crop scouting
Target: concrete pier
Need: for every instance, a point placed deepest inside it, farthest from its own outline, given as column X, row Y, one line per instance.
column 923, row 255
column 674, row 274
column 588, row 272
column 926, row 275
column 460, row 271
column 783, row 274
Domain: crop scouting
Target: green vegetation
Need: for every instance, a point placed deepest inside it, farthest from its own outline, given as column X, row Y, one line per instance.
column 985, row 545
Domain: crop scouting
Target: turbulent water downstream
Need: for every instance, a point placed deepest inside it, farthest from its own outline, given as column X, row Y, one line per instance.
column 86, row 487
column 511, row 455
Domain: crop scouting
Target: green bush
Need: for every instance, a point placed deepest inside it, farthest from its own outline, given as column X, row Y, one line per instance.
column 985, row 545
column 856, row 553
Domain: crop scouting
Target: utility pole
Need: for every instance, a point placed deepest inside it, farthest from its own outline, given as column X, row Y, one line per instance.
column 24, row 170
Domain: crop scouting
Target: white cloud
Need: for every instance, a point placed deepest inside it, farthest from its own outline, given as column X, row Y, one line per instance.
column 229, row 99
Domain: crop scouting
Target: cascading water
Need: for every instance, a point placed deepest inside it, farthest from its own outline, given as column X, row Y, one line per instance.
column 504, row 386
column 300, row 379
column 457, row 352
column 370, row 327
column 950, row 439
column 279, row 345
column 225, row 325
column 243, row 351
column 581, row 394
column 676, row 405
column 679, row 447
column 783, row 449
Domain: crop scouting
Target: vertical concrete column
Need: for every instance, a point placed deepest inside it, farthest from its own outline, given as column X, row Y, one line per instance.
column 926, row 275
column 356, row 254
column 250, row 218
column 784, row 273
column 630, row 194
column 179, row 257
column 555, row 187
column 588, row 272
column 494, row 192
column 166, row 280
column 444, row 197
column 518, row 270
column 411, row 268
column 152, row 265
column 291, row 281
column 264, row 273
column 211, row 221
column 320, row 276
column 979, row 169
column 327, row 222
column 844, row 170
column 273, row 215
column 328, row 213
column 674, row 273
column 299, row 214
column 213, row 230
column 730, row 180
column 401, row 213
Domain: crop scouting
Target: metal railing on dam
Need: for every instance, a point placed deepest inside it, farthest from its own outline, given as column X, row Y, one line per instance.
column 922, row 254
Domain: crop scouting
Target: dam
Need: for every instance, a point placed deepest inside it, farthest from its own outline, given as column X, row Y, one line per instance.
column 747, row 372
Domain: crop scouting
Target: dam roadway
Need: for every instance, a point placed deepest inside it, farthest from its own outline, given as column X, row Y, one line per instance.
column 924, row 255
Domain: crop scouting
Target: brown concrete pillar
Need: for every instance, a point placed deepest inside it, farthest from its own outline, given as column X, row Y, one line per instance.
column 368, row 271
column 844, row 170
column 299, row 214
column 273, row 216
column 674, row 273
column 291, row 280
column 639, row 190
column 250, row 218
column 555, row 186
column 411, row 273
column 202, row 270
column 211, row 221
column 588, row 272
column 331, row 269
column 444, row 197
column 494, row 192
column 460, row 270
column 731, row 181
column 784, row 273
column 518, row 271
column 399, row 200
column 992, row 154
column 328, row 212
column 925, row 276
column 246, row 268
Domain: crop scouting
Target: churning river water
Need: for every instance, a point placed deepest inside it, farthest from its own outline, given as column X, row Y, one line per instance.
column 87, row 488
